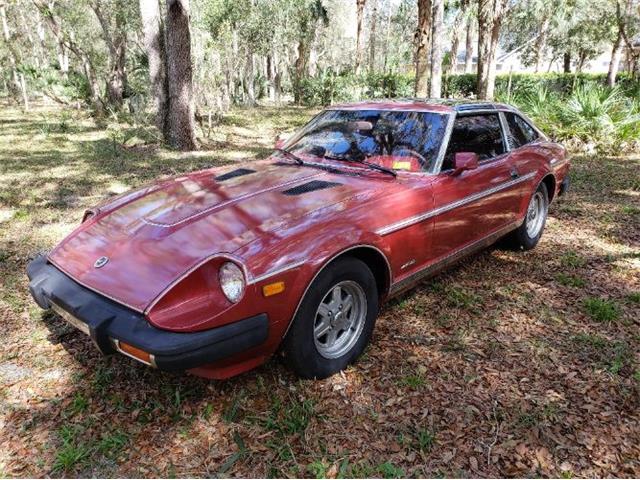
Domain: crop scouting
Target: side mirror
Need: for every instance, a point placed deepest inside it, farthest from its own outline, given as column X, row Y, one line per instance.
column 282, row 139
column 465, row 161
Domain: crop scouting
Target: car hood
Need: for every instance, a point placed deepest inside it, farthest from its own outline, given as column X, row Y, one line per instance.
column 151, row 237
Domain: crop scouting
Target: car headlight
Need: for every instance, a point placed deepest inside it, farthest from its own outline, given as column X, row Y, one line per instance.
column 231, row 281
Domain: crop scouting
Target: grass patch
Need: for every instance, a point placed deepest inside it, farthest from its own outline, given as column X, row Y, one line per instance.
column 601, row 310
column 414, row 381
column 634, row 297
column 290, row 418
column 424, row 440
column 73, row 452
column 461, row 298
column 613, row 356
column 112, row 445
column 570, row 280
column 79, row 404
column 572, row 259
column 389, row 470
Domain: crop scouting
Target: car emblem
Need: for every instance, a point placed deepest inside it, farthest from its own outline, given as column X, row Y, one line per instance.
column 101, row 262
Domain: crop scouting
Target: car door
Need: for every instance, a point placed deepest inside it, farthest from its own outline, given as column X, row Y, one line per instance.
column 476, row 203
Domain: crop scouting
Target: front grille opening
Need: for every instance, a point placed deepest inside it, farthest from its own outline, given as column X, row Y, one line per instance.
column 238, row 172
column 310, row 187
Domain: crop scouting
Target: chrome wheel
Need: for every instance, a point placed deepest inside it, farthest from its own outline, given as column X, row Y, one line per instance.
column 536, row 213
column 339, row 319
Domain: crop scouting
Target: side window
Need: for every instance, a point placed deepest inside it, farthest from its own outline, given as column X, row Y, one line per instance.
column 481, row 134
column 520, row 132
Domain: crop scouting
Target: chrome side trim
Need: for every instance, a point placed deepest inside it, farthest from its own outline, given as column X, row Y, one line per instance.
column 276, row 271
column 327, row 262
column 450, row 259
column 386, row 230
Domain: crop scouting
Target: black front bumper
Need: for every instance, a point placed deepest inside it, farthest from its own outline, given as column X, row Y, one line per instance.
column 108, row 321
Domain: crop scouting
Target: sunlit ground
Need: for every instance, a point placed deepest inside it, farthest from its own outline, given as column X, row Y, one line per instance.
column 511, row 364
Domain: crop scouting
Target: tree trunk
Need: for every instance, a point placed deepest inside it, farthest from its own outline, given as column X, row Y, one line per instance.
column 582, row 57
column 23, row 90
column 423, row 43
column 277, row 77
column 6, row 36
column 490, row 14
column 468, row 54
column 566, row 62
column 435, row 88
column 300, row 71
column 359, row 36
column 616, row 53
column 540, row 43
column 63, row 59
column 387, row 42
column 455, row 40
column 270, row 77
column 153, row 31
column 116, row 40
column 623, row 18
column 372, row 37
column 249, row 79
column 180, row 125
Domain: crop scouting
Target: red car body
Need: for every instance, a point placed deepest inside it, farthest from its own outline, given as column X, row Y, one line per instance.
column 164, row 243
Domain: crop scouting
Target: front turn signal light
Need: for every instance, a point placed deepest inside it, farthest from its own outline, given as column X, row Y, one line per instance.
column 135, row 353
column 273, row 289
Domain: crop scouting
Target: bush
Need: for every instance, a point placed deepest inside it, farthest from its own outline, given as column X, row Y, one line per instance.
column 591, row 117
column 330, row 87
column 464, row 85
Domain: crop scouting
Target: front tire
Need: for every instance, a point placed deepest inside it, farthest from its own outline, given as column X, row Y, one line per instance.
column 335, row 320
column 528, row 234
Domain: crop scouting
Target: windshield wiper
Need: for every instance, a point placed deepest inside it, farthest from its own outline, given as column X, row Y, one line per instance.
column 289, row 154
column 371, row 165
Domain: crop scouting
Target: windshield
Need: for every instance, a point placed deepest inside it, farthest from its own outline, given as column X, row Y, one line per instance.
column 392, row 139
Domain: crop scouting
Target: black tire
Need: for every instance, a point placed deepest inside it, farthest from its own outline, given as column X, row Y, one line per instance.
column 299, row 346
column 520, row 238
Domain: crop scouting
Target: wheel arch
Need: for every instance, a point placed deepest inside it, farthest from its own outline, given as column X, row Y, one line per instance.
column 549, row 181
column 372, row 256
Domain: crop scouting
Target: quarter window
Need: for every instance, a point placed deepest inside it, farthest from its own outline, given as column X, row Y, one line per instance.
column 481, row 134
column 520, row 132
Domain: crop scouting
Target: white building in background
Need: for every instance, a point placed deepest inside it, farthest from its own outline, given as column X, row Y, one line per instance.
column 512, row 62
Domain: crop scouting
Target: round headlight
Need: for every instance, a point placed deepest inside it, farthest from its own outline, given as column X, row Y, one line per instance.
column 231, row 281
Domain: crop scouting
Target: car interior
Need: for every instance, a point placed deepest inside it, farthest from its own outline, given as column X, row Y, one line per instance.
column 481, row 134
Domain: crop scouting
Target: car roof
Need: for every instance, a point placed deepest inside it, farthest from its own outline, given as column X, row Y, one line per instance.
column 445, row 105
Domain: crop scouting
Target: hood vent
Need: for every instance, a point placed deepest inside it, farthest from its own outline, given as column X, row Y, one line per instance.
column 310, row 187
column 239, row 172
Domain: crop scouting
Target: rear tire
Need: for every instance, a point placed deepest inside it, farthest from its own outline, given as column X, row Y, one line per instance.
column 335, row 320
column 528, row 234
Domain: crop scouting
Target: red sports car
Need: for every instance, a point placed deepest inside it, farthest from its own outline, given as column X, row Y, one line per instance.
column 214, row 271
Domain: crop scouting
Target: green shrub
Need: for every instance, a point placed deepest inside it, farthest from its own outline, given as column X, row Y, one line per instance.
column 330, row 87
column 601, row 310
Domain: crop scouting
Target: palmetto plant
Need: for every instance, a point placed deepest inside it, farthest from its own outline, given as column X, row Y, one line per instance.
column 592, row 115
column 598, row 113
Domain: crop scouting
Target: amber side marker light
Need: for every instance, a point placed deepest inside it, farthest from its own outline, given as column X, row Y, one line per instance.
column 135, row 353
column 273, row 289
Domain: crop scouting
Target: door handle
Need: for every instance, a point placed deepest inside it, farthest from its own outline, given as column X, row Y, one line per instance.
column 514, row 174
